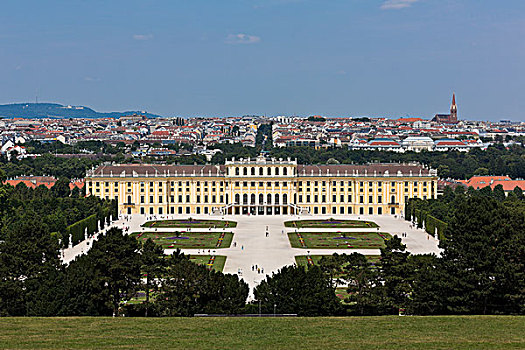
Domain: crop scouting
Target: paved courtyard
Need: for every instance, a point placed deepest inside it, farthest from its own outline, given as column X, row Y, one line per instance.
column 252, row 247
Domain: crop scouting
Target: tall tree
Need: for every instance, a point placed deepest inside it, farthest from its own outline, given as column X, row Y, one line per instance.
column 294, row 289
column 152, row 262
column 116, row 261
column 484, row 258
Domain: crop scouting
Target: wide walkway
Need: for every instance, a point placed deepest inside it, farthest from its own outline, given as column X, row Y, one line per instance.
column 252, row 247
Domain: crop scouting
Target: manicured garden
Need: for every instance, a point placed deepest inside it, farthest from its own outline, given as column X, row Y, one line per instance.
column 305, row 260
column 338, row 240
column 187, row 240
column 383, row 332
column 330, row 223
column 215, row 262
column 191, row 223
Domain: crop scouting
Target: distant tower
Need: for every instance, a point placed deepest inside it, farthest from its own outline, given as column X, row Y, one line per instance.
column 453, row 110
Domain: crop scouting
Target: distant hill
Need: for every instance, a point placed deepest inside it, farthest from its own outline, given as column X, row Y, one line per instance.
column 54, row 110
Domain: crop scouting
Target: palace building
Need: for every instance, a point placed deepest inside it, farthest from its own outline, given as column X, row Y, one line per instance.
column 262, row 187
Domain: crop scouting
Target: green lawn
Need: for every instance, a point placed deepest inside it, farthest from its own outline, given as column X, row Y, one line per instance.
column 188, row 240
column 330, row 223
column 218, row 263
column 341, row 293
column 392, row 332
column 193, row 223
column 301, row 260
column 334, row 240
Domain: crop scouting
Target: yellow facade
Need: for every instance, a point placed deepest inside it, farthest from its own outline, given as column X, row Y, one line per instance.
column 262, row 187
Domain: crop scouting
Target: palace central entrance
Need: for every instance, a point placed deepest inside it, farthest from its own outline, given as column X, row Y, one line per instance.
column 259, row 210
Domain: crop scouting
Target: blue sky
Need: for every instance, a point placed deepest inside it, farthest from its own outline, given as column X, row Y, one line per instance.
column 273, row 57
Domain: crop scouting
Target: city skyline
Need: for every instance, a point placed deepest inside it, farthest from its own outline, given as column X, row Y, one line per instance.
column 278, row 57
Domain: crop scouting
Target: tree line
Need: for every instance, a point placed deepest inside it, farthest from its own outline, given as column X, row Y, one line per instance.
column 481, row 269
column 495, row 160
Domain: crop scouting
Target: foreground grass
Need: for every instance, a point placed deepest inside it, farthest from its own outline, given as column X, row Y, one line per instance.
column 474, row 332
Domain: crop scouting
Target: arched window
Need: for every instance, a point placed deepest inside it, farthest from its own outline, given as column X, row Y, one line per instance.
column 253, row 171
column 245, row 199
column 285, row 171
column 276, row 171
column 393, row 199
column 277, row 198
column 237, row 199
column 261, row 198
column 237, row 171
column 252, row 199
column 285, row 198
column 269, row 199
column 261, row 171
column 245, row 171
column 269, row 171
column 226, row 199
column 129, row 199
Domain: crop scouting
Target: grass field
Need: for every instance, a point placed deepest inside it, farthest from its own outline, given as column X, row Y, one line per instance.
column 193, row 223
column 454, row 332
column 188, row 240
column 334, row 240
column 301, row 260
column 218, row 263
column 330, row 223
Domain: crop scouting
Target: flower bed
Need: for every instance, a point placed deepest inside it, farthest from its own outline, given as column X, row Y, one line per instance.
column 334, row 240
column 330, row 224
column 205, row 240
column 190, row 223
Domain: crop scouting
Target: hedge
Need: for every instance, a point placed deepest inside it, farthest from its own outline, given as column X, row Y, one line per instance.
column 431, row 224
column 77, row 230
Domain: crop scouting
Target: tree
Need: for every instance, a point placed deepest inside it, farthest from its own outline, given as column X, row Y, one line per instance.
column 363, row 285
column 499, row 193
column 116, row 262
column 28, row 253
column 518, row 192
column 188, row 289
column 152, row 262
column 395, row 273
column 481, row 171
column 294, row 289
column 483, row 258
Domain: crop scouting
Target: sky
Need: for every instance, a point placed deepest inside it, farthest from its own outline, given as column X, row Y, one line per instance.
column 268, row 57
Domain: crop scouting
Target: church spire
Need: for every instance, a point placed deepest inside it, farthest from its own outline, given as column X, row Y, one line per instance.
column 453, row 110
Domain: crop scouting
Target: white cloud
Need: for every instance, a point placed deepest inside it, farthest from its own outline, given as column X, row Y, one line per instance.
column 397, row 4
column 242, row 39
column 142, row 36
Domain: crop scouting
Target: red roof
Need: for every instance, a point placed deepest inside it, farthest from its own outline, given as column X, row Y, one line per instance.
column 492, row 181
column 408, row 120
